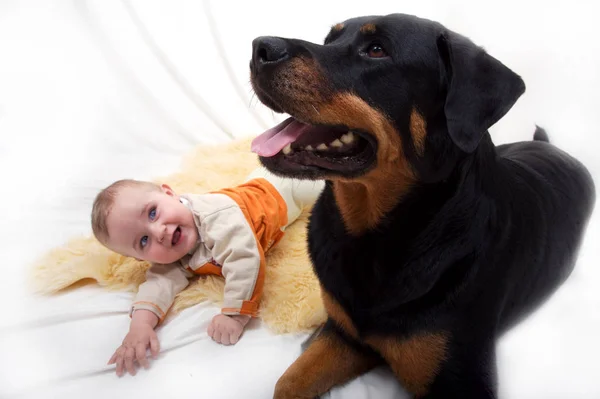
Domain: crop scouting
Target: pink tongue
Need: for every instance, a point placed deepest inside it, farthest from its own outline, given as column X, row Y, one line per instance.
column 273, row 140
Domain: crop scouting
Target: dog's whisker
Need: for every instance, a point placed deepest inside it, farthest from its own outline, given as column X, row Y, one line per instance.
column 252, row 97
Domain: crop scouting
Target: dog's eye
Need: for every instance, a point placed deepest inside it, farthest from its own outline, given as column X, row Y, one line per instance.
column 375, row 50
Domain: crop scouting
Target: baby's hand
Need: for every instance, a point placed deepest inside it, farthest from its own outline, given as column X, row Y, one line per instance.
column 227, row 330
column 141, row 336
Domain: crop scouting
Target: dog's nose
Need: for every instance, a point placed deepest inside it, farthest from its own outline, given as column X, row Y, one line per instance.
column 268, row 50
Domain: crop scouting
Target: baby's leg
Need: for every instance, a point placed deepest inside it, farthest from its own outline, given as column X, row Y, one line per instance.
column 297, row 194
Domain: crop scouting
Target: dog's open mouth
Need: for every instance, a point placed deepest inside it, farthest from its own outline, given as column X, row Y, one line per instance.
column 298, row 146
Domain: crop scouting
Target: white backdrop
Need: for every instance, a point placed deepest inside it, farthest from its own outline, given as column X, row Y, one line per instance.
column 94, row 91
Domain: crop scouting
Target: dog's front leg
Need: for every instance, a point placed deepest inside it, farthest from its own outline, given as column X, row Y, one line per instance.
column 435, row 366
column 328, row 361
column 416, row 360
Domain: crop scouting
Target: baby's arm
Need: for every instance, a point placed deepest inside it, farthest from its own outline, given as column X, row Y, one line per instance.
column 141, row 335
column 234, row 246
column 150, row 306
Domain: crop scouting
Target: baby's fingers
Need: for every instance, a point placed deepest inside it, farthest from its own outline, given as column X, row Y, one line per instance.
column 235, row 337
column 119, row 362
column 129, row 355
column 225, row 340
column 217, row 336
column 154, row 347
column 140, row 354
column 113, row 359
column 118, row 359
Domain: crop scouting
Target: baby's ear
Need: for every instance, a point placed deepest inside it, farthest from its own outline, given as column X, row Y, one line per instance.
column 167, row 190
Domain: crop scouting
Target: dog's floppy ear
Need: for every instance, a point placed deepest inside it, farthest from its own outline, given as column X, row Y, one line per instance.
column 480, row 89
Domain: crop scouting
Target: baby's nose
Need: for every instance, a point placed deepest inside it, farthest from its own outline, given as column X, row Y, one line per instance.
column 160, row 233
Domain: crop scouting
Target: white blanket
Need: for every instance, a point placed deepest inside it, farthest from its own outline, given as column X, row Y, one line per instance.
column 94, row 91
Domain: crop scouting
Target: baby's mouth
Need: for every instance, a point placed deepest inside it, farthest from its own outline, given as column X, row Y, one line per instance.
column 176, row 236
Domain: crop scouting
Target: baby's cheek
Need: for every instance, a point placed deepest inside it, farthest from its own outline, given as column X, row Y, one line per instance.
column 156, row 254
column 160, row 255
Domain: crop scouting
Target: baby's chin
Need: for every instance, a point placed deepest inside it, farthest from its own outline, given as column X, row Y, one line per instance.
column 176, row 256
column 171, row 258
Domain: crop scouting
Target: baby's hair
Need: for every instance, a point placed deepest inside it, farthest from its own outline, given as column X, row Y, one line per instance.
column 105, row 200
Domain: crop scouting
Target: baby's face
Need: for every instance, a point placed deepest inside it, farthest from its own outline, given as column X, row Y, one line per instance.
column 152, row 225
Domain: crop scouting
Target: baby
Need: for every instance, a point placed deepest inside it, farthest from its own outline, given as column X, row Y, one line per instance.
column 225, row 233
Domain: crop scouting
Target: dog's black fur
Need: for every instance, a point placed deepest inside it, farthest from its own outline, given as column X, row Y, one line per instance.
column 481, row 236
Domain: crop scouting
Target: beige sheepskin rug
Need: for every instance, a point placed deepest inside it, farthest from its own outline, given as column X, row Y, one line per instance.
column 291, row 301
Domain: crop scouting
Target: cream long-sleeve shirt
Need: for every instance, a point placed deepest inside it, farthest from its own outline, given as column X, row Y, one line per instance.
column 236, row 227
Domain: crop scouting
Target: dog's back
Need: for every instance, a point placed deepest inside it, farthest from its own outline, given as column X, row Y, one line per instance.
column 550, row 198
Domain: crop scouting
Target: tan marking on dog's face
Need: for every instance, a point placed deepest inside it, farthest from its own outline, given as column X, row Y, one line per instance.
column 363, row 201
column 415, row 361
column 302, row 86
column 418, row 131
column 338, row 314
column 368, row 29
column 337, row 27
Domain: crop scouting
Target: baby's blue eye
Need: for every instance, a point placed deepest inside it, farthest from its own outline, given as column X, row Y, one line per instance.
column 144, row 241
column 152, row 213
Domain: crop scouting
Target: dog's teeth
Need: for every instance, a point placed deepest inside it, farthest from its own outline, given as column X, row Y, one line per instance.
column 322, row 147
column 309, row 148
column 347, row 138
column 287, row 149
column 336, row 143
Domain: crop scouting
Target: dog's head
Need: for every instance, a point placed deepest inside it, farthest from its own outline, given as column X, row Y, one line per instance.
column 389, row 94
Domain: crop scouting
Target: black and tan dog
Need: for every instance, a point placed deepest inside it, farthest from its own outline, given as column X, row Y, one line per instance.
column 428, row 240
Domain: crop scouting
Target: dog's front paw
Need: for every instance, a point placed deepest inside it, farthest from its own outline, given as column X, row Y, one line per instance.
column 287, row 388
column 284, row 389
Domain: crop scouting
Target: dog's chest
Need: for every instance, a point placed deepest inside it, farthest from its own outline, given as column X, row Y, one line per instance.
column 357, row 274
column 353, row 269
column 351, row 279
